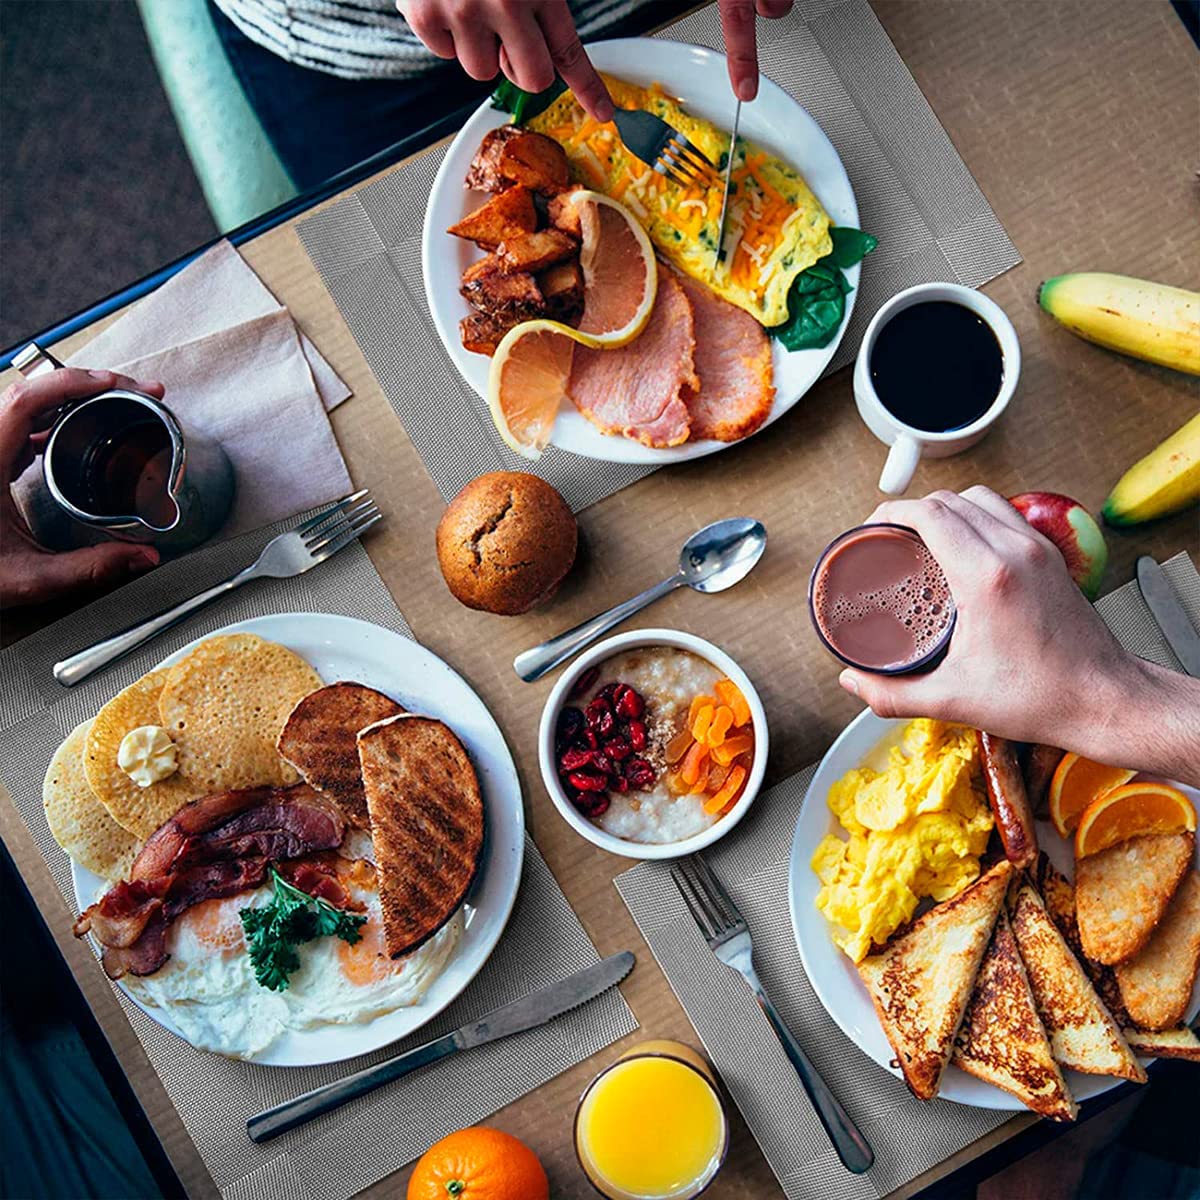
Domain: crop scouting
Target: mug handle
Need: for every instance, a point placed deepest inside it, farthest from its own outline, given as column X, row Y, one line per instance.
column 901, row 465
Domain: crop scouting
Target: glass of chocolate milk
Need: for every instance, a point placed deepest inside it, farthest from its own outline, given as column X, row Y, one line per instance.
column 879, row 600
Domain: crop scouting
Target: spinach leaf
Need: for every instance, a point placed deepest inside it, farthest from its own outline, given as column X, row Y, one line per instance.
column 850, row 246
column 522, row 104
column 817, row 300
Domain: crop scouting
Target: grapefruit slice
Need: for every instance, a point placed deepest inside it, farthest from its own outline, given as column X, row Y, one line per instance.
column 1077, row 783
column 1135, row 810
column 529, row 372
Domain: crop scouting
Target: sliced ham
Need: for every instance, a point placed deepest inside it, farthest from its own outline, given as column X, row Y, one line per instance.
column 733, row 361
column 637, row 391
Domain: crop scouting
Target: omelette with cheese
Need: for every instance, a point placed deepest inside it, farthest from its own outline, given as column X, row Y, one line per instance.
column 775, row 227
column 917, row 829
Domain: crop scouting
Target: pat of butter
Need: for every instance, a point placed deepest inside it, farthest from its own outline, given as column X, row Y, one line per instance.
column 147, row 754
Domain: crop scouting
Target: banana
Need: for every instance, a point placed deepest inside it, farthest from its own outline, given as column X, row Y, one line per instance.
column 1165, row 481
column 1153, row 321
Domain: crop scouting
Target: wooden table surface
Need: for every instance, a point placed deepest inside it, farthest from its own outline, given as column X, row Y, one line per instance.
column 1073, row 117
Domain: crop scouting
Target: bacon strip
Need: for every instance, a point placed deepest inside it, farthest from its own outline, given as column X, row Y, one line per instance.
column 215, row 847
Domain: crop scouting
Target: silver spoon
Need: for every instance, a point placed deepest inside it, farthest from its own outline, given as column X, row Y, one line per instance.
column 712, row 559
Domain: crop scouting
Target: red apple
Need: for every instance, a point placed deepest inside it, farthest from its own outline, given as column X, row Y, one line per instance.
column 1073, row 530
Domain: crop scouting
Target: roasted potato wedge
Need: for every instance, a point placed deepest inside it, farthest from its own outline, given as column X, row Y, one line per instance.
column 497, row 293
column 536, row 251
column 507, row 215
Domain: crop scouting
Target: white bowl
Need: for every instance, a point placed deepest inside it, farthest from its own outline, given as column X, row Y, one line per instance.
column 558, row 697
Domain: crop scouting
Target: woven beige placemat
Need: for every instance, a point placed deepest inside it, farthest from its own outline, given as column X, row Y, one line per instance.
column 914, row 193
column 341, row 1153
column 907, row 1135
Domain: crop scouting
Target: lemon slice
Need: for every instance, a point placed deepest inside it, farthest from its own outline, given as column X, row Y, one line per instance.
column 529, row 372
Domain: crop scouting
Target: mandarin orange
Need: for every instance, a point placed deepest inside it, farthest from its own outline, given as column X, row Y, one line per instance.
column 478, row 1164
column 1078, row 782
column 1135, row 810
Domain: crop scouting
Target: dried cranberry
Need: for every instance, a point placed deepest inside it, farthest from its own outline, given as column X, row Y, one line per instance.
column 640, row 774
column 637, row 734
column 575, row 757
column 618, row 749
column 583, row 684
column 609, row 691
column 593, row 804
column 585, row 781
column 606, row 725
column 618, row 783
column 602, row 762
column 570, row 725
column 628, row 703
column 597, row 708
column 591, row 739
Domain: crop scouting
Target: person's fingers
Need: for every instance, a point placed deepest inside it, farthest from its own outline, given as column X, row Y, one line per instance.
column 92, row 567
column 996, row 504
column 476, row 48
column 954, row 543
column 429, row 26
column 773, row 9
column 898, row 695
column 571, row 60
column 26, row 402
column 998, row 532
column 151, row 387
column 741, row 50
column 524, row 56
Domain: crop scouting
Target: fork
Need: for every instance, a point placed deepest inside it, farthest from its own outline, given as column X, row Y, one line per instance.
column 665, row 149
column 727, row 934
column 288, row 554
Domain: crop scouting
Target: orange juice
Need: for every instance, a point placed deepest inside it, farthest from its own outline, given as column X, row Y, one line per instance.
column 652, row 1127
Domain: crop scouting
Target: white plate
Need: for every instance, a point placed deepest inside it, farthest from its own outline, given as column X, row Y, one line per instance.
column 345, row 648
column 831, row 972
column 698, row 78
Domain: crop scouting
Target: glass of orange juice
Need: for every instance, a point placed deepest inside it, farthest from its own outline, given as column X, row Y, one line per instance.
column 652, row 1126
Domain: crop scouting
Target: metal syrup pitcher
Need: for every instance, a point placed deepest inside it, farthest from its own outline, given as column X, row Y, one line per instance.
column 119, row 463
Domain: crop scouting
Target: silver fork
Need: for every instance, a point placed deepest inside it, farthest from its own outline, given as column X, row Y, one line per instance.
column 726, row 932
column 291, row 553
column 664, row 148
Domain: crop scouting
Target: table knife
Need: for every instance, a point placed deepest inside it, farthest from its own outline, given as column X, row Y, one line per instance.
column 527, row 1013
column 737, row 120
column 1166, row 610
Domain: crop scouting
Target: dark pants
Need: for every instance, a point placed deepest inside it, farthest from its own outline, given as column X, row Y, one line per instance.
column 320, row 124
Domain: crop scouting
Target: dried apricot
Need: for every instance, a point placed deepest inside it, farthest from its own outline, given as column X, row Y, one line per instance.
column 731, row 694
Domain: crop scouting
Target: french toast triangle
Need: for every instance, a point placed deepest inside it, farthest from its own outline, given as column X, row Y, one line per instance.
column 1082, row 1032
column 1122, row 893
column 426, row 815
column 1002, row 1040
column 921, row 983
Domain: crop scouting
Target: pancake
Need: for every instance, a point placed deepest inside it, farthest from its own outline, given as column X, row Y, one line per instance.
column 426, row 822
column 319, row 740
column 637, row 390
column 733, row 362
column 81, row 825
column 776, row 226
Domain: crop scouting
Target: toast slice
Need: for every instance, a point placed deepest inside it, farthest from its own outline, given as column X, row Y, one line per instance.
column 319, row 741
column 1059, row 895
column 921, row 983
column 426, row 822
column 1083, row 1034
column 1002, row 1040
column 1123, row 892
column 1156, row 984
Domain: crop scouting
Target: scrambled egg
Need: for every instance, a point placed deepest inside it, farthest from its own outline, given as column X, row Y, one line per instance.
column 775, row 227
column 916, row 829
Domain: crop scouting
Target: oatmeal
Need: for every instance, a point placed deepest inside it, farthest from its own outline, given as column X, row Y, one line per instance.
column 641, row 741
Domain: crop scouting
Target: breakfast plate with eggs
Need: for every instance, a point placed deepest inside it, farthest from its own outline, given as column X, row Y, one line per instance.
column 352, row 982
column 790, row 189
column 897, row 810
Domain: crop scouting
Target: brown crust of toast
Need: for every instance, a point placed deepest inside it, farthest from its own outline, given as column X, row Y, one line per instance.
column 319, row 740
column 427, row 823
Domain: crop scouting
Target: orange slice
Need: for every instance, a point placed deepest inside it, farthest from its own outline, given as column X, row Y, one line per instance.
column 528, row 377
column 1135, row 810
column 1077, row 783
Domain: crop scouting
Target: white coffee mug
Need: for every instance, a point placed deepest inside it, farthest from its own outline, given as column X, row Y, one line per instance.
column 907, row 443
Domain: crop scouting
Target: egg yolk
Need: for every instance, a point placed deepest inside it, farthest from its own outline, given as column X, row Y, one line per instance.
column 216, row 924
column 366, row 961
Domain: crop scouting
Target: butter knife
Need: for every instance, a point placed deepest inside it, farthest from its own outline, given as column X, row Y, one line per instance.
column 737, row 120
column 527, row 1013
column 1166, row 610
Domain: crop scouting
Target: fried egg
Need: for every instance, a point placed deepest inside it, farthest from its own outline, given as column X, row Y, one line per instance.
column 776, row 227
column 208, row 992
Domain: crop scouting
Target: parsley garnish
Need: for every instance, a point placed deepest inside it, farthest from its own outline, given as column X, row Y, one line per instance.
column 274, row 931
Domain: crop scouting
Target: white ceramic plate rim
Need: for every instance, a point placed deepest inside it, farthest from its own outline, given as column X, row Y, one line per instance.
column 831, row 973
column 422, row 682
column 697, row 76
column 605, row 649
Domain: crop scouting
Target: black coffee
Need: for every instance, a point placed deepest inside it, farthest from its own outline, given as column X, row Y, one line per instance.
column 937, row 366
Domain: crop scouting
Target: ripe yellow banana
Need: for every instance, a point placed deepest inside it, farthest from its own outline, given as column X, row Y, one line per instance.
column 1153, row 321
column 1165, row 481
